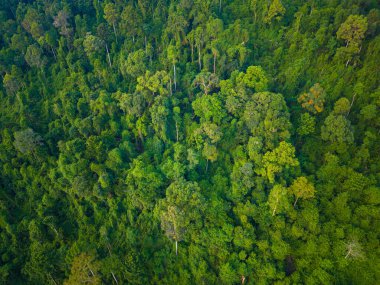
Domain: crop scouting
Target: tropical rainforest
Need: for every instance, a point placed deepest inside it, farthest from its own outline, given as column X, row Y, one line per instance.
column 189, row 142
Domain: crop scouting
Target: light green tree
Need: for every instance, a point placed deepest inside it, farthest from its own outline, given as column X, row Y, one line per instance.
column 302, row 188
column 84, row 270
column 276, row 10
column 278, row 200
column 282, row 157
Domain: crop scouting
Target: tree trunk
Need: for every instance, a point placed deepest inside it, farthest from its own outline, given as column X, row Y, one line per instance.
column 214, row 63
column 114, row 277
column 109, row 249
column 176, row 129
column 199, row 58
column 192, row 52
column 108, row 56
column 53, row 279
column 55, row 230
column 274, row 210
column 220, row 6
column 206, row 165
column 146, row 47
column 175, row 80
column 176, row 247
column 352, row 103
column 294, row 205
column 114, row 30
column 52, row 50
column 170, row 86
column 348, row 254
column 141, row 137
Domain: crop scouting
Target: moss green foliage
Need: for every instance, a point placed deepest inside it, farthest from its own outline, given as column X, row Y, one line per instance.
column 189, row 142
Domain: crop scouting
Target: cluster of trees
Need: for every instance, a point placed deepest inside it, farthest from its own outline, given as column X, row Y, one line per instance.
column 189, row 142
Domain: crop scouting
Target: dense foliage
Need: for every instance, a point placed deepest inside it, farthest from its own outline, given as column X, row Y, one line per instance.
column 189, row 142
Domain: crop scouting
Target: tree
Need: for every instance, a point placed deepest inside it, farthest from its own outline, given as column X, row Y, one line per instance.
column 84, row 270
column 198, row 38
column 103, row 34
column 207, row 81
column 11, row 84
column 227, row 274
column 209, row 109
column 131, row 104
column 92, row 45
column 27, row 141
column 353, row 250
column 277, row 199
column 34, row 57
column 159, row 113
column 276, row 10
column 171, row 224
column 282, row 157
column 266, row 116
column 255, row 148
column 210, row 152
column 111, row 14
column 61, row 22
column 176, row 24
column 337, row 129
column 32, row 23
column 214, row 30
column 150, row 85
column 254, row 78
column 313, row 100
column 143, row 184
column 177, row 119
column 135, row 65
column 342, row 106
column 239, row 88
column 181, row 211
column 215, row 52
column 131, row 21
column 190, row 38
column 173, row 57
column 302, row 188
column 353, row 30
column 242, row 179
column 306, row 125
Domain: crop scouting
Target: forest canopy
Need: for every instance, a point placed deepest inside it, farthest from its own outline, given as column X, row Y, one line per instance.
column 189, row 142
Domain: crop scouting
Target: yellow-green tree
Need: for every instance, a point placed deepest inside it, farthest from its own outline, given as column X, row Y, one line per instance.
column 84, row 270
column 302, row 188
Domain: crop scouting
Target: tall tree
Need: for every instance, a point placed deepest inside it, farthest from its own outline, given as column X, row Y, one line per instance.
column 112, row 15
column 181, row 211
